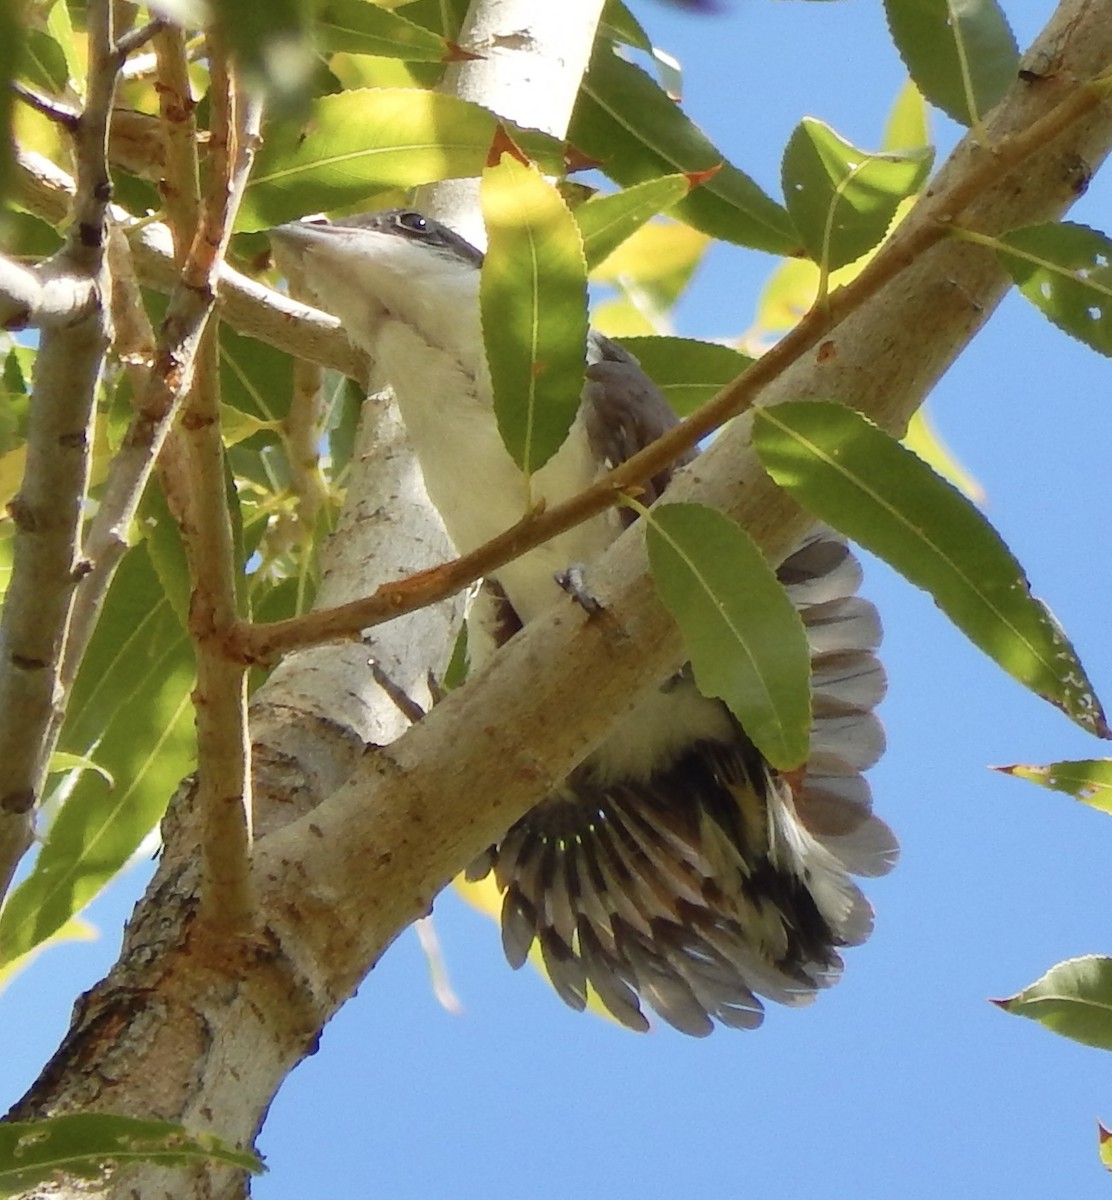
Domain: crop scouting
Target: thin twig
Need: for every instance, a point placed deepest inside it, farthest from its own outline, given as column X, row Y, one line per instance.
column 160, row 377
column 48, row 511
column 301, row 433
column 53, row 110
column 223, row 773
column 180, row 186
column 140, row 36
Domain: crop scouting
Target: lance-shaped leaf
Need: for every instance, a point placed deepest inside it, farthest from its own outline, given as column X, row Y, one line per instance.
column 842, row 199
column 637, row 132
column 1074, row 998
column 1088, row 780
column 1104, row 1146
column 923, row 439
column 444, row 17
column 687, row 371
column 744, row 638
column 607, row 221
column 76, row 929
column 359, row 143
column 1065, row 270
column 85, row 1145
column 361, row 28
column 41, row 61
column 130, row 711
column 620, row 25
column 533, row 301
column 961, row 53
column 864, row 483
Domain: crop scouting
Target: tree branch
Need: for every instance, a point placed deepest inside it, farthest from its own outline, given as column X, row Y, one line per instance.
column 223, row 792
column 47, row 512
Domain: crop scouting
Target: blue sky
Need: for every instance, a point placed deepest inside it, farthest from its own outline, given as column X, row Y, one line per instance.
column 903, row 1080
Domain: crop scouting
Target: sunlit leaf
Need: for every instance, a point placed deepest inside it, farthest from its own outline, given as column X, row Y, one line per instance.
column 869, row 487
column 1104, row 1146
column 622, row 318
column 76, row 929
column 89, row 1145
column 358, row 144
column 661, row 256
column 841, row 198
column 61, row 762
column 687, row 371
column 60, row 27
column 361, row 28
column 608, row 221
column 908, row 124
column 924, row 440
column 1074, row 998
column 961, row 54
column 1089, row 780
column 130, row 709
column 743, row 636
column 1065, row 270
column 533, row 299
column 787, row 295
column 637, row 132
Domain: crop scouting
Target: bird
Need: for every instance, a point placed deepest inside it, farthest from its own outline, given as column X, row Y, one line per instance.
column 675, row 869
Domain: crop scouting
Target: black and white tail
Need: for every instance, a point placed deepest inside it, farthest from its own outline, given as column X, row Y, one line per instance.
column 711, row 881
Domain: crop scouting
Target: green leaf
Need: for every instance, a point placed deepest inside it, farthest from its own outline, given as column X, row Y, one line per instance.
column 255, row 379
column 842, row 199
column 637, row 132
column 61, row 762
column 924, row 440
column 533, row 300
column 687, row 371
column 1088, row 780
column 60, row 27
column 87, row 1145
column 76, row 929
column 361, row 28
column 744, row 637
column 607, row 221
column 867, row 485
column 130, row 710
column 444, row 17
column 11, row 53
column 360, row 143
column 162, row 541
column 908, row 124
column 1065, row 270
column 961, row 54
column 1074, row 998
column 1104, row 1146
column 620, row 25
column 42, row 62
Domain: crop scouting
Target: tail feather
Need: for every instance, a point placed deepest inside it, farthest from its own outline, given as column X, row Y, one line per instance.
column 710, row 881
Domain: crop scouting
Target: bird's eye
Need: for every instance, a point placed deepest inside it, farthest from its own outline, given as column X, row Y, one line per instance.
column 412, row 221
